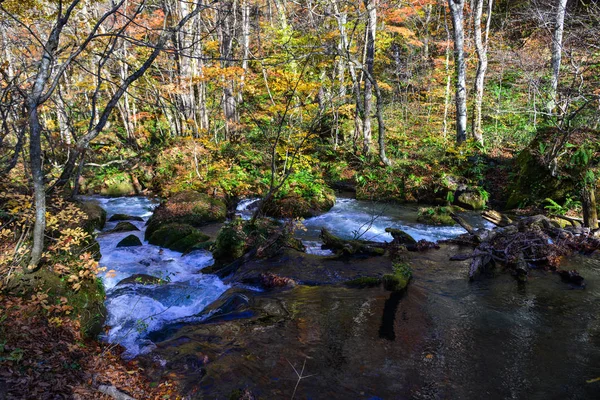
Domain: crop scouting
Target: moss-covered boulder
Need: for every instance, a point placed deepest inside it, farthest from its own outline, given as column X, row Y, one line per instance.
column 401, row 237
column 96, row 215
column 124, row 217
column 296, row 206
column 178, row 237
column 141, row 279
column 192, row 208
column 537, row 177
column 231, row 242
column 471, row 200
column 118, row 188
column 130, row 241
column 437, row 215
column 399, row 280
column 124, row 226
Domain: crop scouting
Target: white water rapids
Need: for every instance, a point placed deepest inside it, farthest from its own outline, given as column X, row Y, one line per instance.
column 135, row 310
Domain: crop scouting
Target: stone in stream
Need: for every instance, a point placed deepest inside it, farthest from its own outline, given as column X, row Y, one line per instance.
column 179, row 237
column 189, row 207
column 96, row 215
column 130, row 241
column 124, row 227
column 141, row 279
column 125, row 217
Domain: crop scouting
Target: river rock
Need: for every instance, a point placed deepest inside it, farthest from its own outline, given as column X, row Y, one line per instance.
column 295, row 206
column 471, row 200
column 124, row 227
column 96, row 215
column 130, row 241
column 192, row 208
column 178, row 237
column 141, row 279
column 401, row 237
column 124, row 217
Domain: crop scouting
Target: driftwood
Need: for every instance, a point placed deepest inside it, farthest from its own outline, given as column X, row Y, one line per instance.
column 517, row 245
column 496, row 218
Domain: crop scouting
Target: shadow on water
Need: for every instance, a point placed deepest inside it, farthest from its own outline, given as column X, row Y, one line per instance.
column 390, row 308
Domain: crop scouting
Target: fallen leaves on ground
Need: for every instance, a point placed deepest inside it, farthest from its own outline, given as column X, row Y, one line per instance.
column 47, row 358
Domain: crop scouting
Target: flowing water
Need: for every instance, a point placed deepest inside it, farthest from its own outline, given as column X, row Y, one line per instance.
column 445, row 338
column 135, row 310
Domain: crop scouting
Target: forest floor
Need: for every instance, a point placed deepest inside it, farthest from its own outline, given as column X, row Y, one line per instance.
column 46, row 357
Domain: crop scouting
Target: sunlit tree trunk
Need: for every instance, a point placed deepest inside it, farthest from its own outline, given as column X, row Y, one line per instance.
column 481, row 47
column 557, row 44
column 371, row 27
column 457, row 12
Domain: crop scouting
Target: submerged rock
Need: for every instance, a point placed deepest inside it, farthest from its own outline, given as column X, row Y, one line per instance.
column 124, row 217
column 130, row 241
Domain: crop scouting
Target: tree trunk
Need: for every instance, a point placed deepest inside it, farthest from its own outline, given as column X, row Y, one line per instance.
column 588, row 203
column 481, row 46
column 457, row 12
column 557, row 39
column 370, row 59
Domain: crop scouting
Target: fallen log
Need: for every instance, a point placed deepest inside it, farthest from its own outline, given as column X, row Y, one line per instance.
column 351, row 247
column 496, row 218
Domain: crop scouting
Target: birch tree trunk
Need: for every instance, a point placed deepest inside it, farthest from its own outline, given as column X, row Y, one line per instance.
column 481, row 47
column 557, row 39
column 457, row 12
column 369, row 61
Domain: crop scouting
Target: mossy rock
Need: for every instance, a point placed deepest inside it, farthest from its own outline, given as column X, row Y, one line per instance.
column 533, row 179
column 231, row 242
column 96, row 216
column 471, row 200
column 364, row 282
column 178, row 237
column 438, row 215
column 142, row 279
column 401, row 237
column 130, row 241
column 192, row 208
column 399, row 280
column 118, row 189
column 124, row 217
column 124, row 226
column 87, row 302
column 295, row 206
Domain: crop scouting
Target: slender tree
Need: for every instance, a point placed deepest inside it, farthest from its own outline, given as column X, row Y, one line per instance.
column 481, row 47
column 557, row 45
column 457, row 13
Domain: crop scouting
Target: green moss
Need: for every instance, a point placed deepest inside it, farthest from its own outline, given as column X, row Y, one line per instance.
column 231, row 242
column 192, row 208
column 178, row 237
column 130, row 241
column 124, row 217
column 294, row 205
column 125, row 227
column 437, row 215
column 399, row 279
column 96, row 216
column 87, row 302
column 365, row 281
column 118, row 189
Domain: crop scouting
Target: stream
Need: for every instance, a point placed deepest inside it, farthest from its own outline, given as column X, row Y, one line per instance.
column 445, row 337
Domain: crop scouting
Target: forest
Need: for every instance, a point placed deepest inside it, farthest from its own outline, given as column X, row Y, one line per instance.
column 263, row 199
